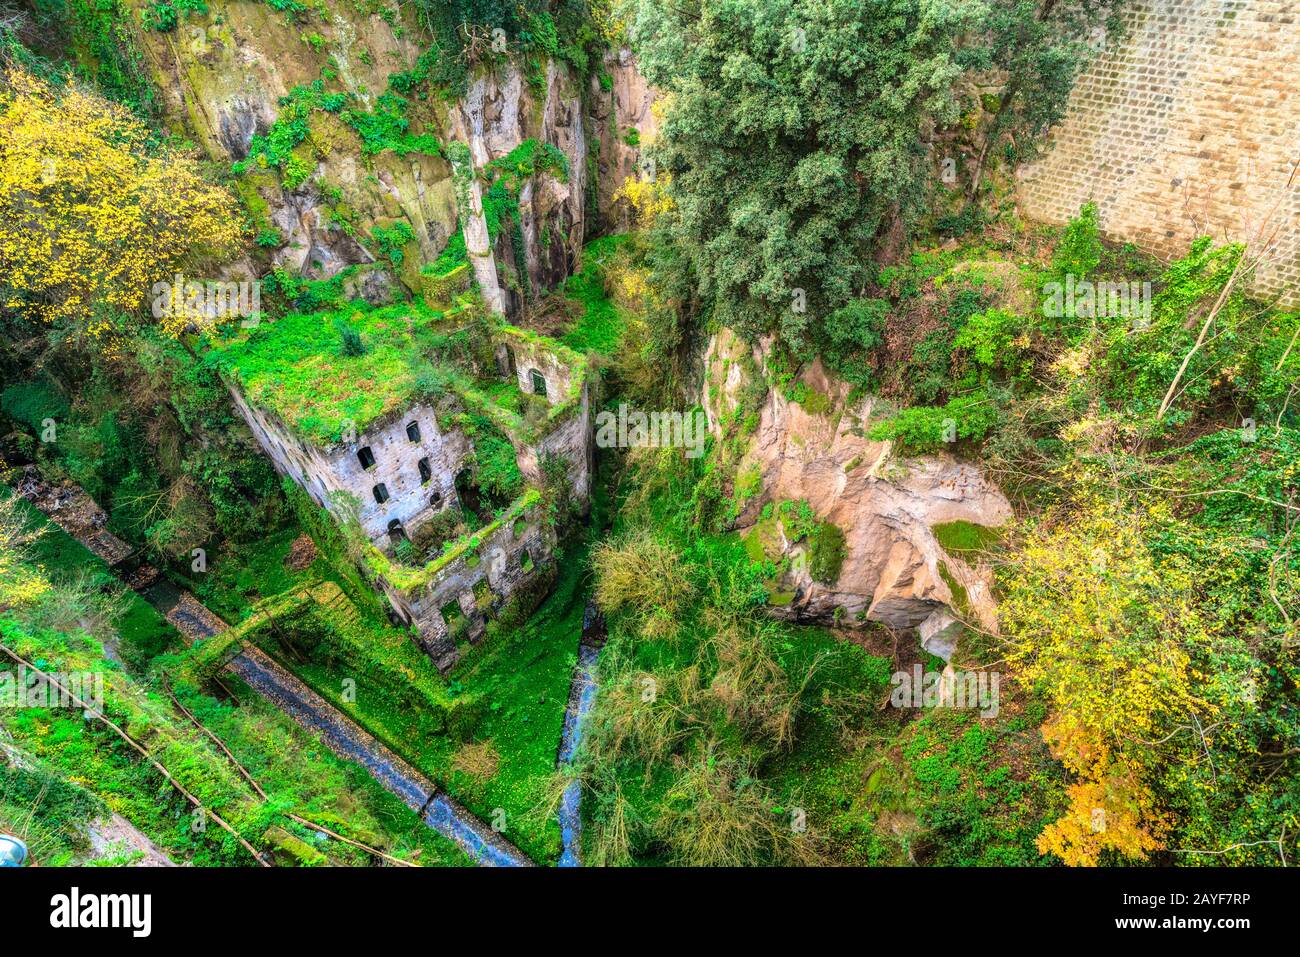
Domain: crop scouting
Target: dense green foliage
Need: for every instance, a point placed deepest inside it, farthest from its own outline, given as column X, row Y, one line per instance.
column 469, row 33
column 61, row 620
column 785, row 174
column 1039, row 48
column 81, row 41
column 1146, row 589
column 795, row 149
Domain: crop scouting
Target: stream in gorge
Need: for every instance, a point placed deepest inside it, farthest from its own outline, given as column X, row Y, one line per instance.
column 582, row 695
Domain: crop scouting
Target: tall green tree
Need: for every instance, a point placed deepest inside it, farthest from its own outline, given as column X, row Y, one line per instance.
column 794, row 140
column 1036, row 48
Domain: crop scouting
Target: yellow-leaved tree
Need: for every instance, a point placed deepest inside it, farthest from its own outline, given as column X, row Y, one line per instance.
column 1108, row 632
column 93, row 211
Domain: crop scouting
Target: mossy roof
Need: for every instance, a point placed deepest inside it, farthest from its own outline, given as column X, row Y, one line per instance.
column 295, row 367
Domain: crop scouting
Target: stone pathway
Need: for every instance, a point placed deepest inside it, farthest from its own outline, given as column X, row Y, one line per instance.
column 341, row 734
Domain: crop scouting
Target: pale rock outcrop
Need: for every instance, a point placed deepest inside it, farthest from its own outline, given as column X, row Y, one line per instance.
column 222, row 79
column 939, row 634
column 626, row 105
column 498, row 113
column 895, row 571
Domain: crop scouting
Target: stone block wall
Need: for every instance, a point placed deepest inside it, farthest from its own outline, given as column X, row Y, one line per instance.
column 1188, row 126
column 412, row 501
column 321, row 472
column 572, row 441
column 570, row 437
column 497, row 562
column 530, row 357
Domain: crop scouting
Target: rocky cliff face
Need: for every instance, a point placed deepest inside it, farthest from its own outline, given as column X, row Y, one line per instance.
column 624, row 122
column 895, row 571
column 223, row 76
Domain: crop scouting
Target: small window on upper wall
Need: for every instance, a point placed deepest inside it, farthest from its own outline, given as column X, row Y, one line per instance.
column 426, row 473
column 366, row 457
column 413, row 431
column 539, row 382
column 381, row 493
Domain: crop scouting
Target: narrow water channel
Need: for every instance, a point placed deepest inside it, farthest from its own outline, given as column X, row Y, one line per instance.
column 582, row 695
column 348, row 740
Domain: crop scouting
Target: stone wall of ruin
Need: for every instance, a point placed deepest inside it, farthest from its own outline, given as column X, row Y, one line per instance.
column 497, row 563
column 322, row 472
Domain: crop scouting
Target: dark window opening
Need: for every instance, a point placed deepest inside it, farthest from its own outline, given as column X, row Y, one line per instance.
column 484, row 599
column 396, row 532
column 539, row 382
column 381, row 493
column 426, row 472
column 453, row 617
column 413, row 431
column 436, row 500
column 477, row 511
column 525, row 561
column 366, row 457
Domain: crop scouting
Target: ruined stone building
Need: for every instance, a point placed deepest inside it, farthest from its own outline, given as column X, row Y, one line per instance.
column 395, row 439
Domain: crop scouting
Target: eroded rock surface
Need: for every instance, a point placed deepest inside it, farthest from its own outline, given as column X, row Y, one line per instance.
column 222, row 80
column 895, row 571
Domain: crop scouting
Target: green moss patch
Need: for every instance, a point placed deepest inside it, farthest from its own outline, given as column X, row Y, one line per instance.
column 600, row 327
column 826, row 552
column 961, row 537
column 297, row 367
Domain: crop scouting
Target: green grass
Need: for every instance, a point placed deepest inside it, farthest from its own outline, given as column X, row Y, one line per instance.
column 827, row 773
column 961, row 537
column 600, row 327
column 939, row 787
column 82, row 769
column 524, row 675
column 295, row 367
column 241, row 574
column 292, row 764
column 48, row 811
column 142, row 631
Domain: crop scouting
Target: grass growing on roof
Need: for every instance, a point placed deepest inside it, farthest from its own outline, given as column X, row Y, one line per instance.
column 296, row 367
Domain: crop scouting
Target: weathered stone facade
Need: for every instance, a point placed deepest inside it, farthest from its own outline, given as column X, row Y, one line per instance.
column 1188, row 127
column 410, row 500
column 450, row 599
column 402, row 471
column 565, row 387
